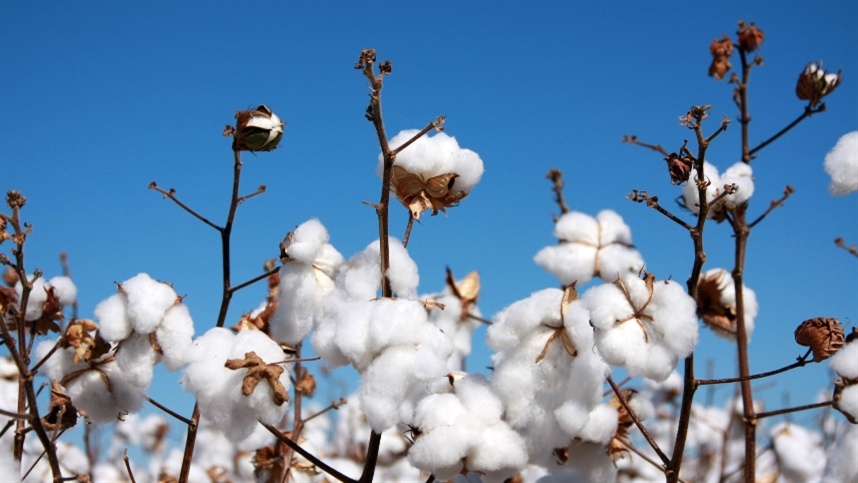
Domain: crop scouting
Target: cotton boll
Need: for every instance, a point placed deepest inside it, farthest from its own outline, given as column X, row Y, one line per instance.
column 477, row 396
column 799, row 452
column 689, row 190
column 841, row 463
column 59, row 364
column 499, row 453
column 845, row 361
column 520, row 318
column 64, row 289
column 841, row 164
column 384, row 386
column 437, row 410
column 352, row 319
column 298, row 302
column 37, row 298
column 148, row 301
column 174, row 334
column 848, row 402
column 261, row 401
column 741, row 175
column 468, row 165
column 137, row 359
column 395, row 322
column 89, row 393
column 113, row 321
column 307, row 241
column 601, row 426
column 569, row 262
column 402, row 272
column 440, row 452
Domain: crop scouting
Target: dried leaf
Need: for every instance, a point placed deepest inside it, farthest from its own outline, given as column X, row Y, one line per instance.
column 823, row 335
column 419, row 194
column 257, row 370
column 467, row 291
column 83, row 336
column 62, row 413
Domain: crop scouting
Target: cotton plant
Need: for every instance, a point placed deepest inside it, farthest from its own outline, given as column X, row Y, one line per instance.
column 463, row 431
column 47, row 297
column 433, row 173
column 309, row 265
column 388, row 340
column 739, row 175
column 642, row 325
column 238, row 379
column 590, row 247
column 841, row 164
column 547, row 372
column 717, row 307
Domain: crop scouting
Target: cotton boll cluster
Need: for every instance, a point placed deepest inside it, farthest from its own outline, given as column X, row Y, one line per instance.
column 589, row 247
column 547, row 372
column 463, row 431
column 739, row 174
column 841, row 164
column 51, row 295
column 389, row 341
column 799, row 452
column 306, row 275
column 716, row 304
column 642, row 325
column 223, row 393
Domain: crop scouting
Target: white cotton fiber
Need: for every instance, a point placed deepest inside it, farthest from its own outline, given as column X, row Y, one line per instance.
column 307, row 241
column 841, row 164
column 148, row 300
column 741, row 175
column 175, row 334
column 113, row 321
column 64, row 289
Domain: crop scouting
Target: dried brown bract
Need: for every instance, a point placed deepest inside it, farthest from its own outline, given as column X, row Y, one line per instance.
column 419, row 194
column 715, row 314
column 257, row 370
column 814, row 83
column 467, row 291
column 823, row 335
column 721, row 50
column 62, row 413
column 82, row 335
column 750, row 37
column 679, row 168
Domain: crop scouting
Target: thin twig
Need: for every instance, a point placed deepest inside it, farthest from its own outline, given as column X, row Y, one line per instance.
column 254, row 280
column 172, row 196
column 556, row 177
column 334, row 405
column 637, row 421
column 808, row 111
column 128, row 466
column 632, row 139
column 169, row 411
column 793, row 409
column 788, row 191
column 306, row 454
column 800, row 362
column 840, row 242
column 652, row 202
column 15, row 415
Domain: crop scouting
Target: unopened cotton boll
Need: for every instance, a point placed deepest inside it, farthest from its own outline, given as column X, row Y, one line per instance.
column 841, row 164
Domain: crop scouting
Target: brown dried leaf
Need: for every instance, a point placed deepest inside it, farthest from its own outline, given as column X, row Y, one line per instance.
column 467, row 291
column 307, row 384
column 257, row 370
column 419, row 194
column 83, row 336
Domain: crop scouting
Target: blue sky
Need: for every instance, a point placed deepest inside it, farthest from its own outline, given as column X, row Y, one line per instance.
column 97, row 99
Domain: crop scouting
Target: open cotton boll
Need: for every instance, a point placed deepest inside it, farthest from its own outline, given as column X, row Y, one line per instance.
column 384, row 386
column 841, row 463
column 307, row 241
column 689, row 190
column 499, row 454
column 148, row 301
column 137, row 359
column 38, row 297
column 395, row 322
column 841, row 164
column 801, row 456
column 113, row 321
column 643, row 325
column 520, row 318
column 435, row 155
column 90, row 393
column 741, row 175
column 402, row 273
column 845, row 361
column 299, row 300
column 64, row 289
column 175, row 334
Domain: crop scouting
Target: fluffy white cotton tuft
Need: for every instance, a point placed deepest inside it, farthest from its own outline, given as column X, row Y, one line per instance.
column 431, row 156
column 799, row 452
column 589, row 247
column 841, row 164
column 148, row 301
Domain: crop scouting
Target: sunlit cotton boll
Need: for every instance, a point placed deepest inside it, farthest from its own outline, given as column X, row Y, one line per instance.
column 689, row 190
column 841, row 164
column 435, row 155
column 741, row 175
column 114, row 324
column 845, row 361
column 218, row 389
column 589, row 247
column 841, row 463
column 643, row 325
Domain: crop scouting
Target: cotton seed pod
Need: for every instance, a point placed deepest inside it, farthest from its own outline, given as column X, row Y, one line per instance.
column 721, row 50
column 679, row 168
column 750, row 37
column 823, row 335
column 814, row 83
column 256, row 130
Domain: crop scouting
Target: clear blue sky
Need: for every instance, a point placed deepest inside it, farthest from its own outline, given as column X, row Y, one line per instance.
column 97, row 99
